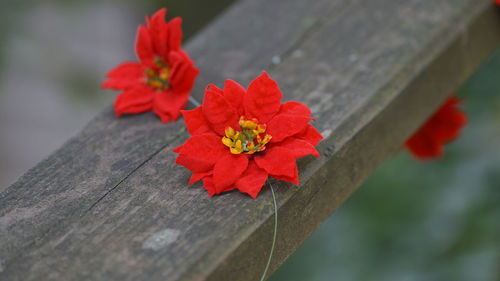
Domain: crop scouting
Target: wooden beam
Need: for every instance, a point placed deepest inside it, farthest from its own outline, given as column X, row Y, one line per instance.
column 112, row 205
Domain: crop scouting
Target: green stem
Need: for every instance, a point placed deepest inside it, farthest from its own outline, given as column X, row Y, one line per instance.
column 263, row 277
column 194, row 101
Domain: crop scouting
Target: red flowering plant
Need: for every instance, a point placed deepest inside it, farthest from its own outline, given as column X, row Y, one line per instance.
column 441, row 128
column 241, row 137
column 162, row 79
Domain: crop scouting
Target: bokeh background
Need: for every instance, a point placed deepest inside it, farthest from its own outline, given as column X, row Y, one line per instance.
column 409, row 221
column 435, row 221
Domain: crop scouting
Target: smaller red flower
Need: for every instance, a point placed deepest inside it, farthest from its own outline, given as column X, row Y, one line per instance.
column 162, row 79
column 443, row 127
column 497, row 2
column 240, row 137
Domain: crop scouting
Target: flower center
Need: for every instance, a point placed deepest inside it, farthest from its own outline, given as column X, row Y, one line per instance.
column 249, row 140
column 157, row 76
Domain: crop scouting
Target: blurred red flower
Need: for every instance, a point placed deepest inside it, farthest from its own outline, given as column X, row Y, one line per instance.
column 162, row 79
column 240, row 137
column 497, row 2
column 444, row 126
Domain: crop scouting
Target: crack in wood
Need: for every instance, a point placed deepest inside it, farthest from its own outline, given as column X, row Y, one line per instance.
column 168, row 143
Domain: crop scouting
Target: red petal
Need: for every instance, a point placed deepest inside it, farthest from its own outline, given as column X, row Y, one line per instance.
column 310, row 134
column 183, row 72
column 199, row 176
column 208, row 184
column 158, row 31
column 234, row 93
column 295, row 108
column 263, row 98
column 219, row 112
column 252, row 180
column 196, row 122
column 208, row 148
column 177, row 65
column 424, row 148
column 177, row 149
column 168, row 104
column 194, row 164
column 299, row 147
column 214, row 88
column 443, row 127
column 448, row 121
column 159, row 16
column 188, row 79
column 278, row 161
column 135, row 100
column 124, row 76
column 144, row 46
column 294, row 179
column 228, row 169
column 175, row 33
column 286, row 125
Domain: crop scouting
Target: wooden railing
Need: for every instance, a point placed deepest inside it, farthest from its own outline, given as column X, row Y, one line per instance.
column 111, row 204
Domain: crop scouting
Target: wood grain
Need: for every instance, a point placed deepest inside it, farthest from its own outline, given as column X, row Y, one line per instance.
column 112, row 205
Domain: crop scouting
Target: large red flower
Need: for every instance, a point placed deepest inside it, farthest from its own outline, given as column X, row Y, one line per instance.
column 444, row 126
column 240, row 137
column 162, row 79
column 497, row 2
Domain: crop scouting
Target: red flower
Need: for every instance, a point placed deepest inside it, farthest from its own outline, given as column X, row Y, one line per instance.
column 162, row 79
column 240, row 137
column 443, row 127
column 497, row 2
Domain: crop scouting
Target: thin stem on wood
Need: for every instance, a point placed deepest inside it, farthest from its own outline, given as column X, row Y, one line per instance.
column 263, row 277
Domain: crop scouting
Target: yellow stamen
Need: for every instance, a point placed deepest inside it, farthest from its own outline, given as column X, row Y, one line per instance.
column 164, row 74
column 229, row 132
column 155, row 84
column 235, row 151
column 227, row 142
column 249, row 140
column 158, row 76
column 238, row 145
column 261, row 128
column 150, row 73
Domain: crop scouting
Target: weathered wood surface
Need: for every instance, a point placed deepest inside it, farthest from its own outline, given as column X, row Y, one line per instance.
column 112, row 205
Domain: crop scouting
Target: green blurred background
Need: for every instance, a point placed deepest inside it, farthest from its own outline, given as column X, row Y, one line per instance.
column 409, row 221
column 428, row 221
